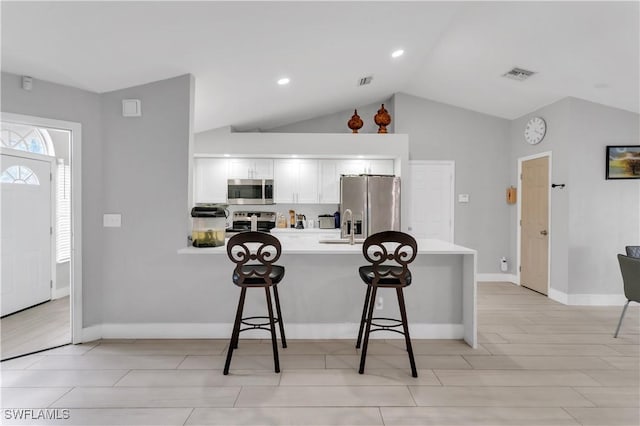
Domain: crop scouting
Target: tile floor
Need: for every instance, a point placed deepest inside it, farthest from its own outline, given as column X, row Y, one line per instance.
column 538, row 363
column 43, row 326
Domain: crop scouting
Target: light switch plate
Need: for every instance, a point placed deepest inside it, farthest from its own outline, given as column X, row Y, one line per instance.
column 112, row 220
column 463, row 198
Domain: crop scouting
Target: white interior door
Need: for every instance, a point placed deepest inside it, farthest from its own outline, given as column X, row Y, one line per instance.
column 432, row 192
column 26, row 232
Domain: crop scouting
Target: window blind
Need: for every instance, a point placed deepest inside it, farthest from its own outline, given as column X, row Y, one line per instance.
column 63, row 213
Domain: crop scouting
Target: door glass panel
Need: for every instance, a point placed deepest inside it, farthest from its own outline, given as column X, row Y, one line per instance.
column 20, row 175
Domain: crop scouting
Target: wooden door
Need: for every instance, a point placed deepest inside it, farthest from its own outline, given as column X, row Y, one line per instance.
column 534, row 248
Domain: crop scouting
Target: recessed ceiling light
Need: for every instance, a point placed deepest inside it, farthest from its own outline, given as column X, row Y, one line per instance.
column 397, row 53
column 227, row 155
column 283, row 81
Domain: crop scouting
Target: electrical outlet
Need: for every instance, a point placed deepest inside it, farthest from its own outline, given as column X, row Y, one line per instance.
column 112, row 220
column 379, row 303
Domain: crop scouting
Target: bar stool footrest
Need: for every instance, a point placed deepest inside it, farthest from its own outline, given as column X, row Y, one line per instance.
column 252, row 324
column 395, row 323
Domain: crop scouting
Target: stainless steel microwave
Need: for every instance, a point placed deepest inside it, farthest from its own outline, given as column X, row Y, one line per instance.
column 250, row 191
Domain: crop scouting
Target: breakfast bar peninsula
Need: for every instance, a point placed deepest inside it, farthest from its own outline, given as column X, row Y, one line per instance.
column 321, row 294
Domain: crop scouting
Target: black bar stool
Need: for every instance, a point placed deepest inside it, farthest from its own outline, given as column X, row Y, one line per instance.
column 398, row 250
column 265, row 249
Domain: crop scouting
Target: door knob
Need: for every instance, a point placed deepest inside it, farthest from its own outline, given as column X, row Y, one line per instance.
column 543, row 232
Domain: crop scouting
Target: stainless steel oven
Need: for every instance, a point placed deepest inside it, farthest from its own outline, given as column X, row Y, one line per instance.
column 250, row 191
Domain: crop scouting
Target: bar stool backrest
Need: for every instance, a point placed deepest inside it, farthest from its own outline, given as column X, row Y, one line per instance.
column 390, row 248
column 260, row 247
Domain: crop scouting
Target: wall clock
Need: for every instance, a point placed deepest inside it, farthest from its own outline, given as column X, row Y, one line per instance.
column 535, row 130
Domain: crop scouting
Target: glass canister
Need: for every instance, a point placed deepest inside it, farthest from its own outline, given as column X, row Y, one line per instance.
column 209, row 224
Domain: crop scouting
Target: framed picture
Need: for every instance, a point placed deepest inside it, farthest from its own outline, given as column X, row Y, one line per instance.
column 623, row 162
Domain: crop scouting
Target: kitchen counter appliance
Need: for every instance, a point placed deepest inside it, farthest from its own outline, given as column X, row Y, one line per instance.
column 250, row 191
column 209, row 223
column 326, row 221
column 374, row 201
column 242, row 221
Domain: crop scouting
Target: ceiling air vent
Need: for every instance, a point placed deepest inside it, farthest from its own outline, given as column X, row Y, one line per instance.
column 365, row 80
column 519, row 74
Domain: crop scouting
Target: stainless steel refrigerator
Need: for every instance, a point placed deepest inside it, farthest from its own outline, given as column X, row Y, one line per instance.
column 374, row 201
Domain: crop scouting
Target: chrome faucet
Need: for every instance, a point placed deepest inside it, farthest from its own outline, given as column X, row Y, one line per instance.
column 353, row 228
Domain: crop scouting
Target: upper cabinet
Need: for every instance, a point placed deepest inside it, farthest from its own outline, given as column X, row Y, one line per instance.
column 365, row 166
column 250, row 168
column 329, row 181
column 296, row 181
column 210, row 180
column 331, row 170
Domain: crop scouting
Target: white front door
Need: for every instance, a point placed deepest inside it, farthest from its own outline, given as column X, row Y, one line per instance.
column 431, row 191
column 26, row 232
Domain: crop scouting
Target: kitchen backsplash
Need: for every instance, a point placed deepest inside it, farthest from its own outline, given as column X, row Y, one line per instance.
column 311, row 211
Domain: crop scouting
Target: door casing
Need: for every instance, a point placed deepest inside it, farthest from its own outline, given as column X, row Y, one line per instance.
column 519, row 216
column 75, row 286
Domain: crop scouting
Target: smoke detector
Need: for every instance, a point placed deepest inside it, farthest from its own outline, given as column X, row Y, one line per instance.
column 519, row 74
column 365, row 80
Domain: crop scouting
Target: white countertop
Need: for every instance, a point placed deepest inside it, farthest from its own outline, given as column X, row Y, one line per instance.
column 308, row 243
column 287, row 231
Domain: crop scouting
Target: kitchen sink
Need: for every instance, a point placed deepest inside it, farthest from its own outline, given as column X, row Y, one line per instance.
column 341, row 241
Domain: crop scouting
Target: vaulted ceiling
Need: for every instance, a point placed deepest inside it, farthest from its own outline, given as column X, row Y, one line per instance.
column 455, row 52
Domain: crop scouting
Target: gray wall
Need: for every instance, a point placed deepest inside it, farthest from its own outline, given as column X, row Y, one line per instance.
column 337, row 122
column 592, row 218
column 137, row 167
column 145, row 167
column 59, row 102
column 604, row 215
column 478, row 143
column 556, row 141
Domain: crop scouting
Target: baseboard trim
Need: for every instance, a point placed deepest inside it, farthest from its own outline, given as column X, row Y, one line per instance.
column 91, row 333
column 500, row 277
column 558, row 296
column 293, row 331
column 587, row 299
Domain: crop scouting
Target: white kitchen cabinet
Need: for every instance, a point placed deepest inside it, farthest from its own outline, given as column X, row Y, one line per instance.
column 329, row 183
column 251, row 168
column 366, row 166
column 295, row 181
column 330, row 171
column 380, row 167
column 210, row 180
